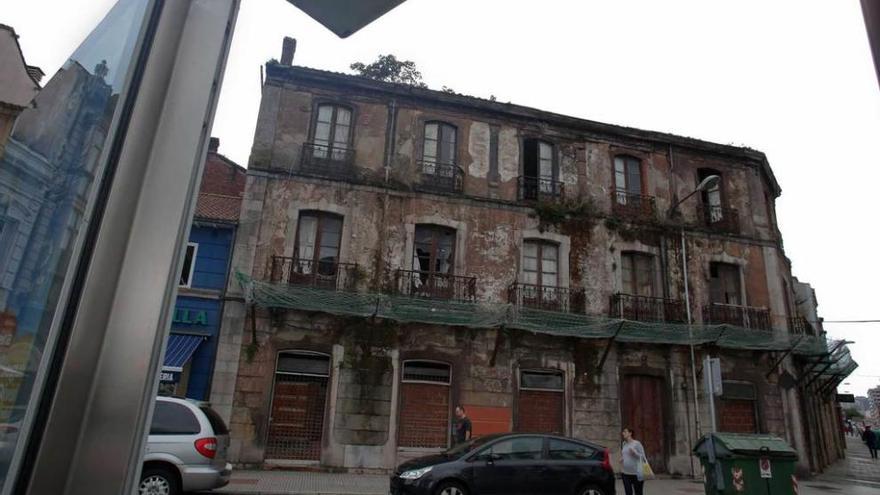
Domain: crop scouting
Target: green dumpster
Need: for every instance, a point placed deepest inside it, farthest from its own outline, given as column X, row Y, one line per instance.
column 736, row 463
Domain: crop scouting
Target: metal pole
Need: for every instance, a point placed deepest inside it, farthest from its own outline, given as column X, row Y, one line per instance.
column 710, row 390
column 687, row 305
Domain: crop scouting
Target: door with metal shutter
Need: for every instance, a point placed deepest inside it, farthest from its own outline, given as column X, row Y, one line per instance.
column 296, row 424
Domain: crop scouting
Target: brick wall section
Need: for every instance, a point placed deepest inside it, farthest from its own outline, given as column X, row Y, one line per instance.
column 737, row 416
column 424, row 415
column 222, row 176
column 540, row 411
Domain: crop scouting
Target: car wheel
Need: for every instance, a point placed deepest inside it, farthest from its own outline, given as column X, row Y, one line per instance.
column 450, row 488
column 158, row 481
column 592, row 490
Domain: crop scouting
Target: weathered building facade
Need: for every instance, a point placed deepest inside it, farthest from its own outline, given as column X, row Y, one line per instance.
column 403, row 250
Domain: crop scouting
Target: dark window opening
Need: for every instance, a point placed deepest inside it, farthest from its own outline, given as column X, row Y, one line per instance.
column 188, row 268
column 724, row 284
column 303, row 364
column 541, row 380
column 426, row 371
column 434, row 249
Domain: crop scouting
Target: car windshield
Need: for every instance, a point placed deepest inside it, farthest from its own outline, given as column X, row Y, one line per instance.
column 470, row 445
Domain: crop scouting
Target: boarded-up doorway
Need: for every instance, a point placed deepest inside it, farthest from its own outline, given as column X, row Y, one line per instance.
column 642, row 399
column 296, row 424
column 540, row 405
column 424, row 405
column 737, row 411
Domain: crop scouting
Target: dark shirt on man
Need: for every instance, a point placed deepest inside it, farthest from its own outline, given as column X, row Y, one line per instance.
column 462, row 430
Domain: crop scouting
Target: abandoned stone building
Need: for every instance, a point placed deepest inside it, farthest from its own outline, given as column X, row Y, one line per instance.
column 402, row 251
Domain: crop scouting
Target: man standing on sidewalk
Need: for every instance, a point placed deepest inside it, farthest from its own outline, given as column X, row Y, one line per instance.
column 462, row 429
column 870, row 439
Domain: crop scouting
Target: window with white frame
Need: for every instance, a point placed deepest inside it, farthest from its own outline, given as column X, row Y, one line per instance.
column 189, row 265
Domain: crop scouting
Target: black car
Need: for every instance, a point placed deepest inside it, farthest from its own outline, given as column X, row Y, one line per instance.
column 510, row 464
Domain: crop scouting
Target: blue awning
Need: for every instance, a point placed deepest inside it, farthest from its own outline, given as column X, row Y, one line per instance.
column 179, row 349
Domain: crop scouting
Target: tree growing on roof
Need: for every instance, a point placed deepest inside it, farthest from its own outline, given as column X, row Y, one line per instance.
column 388, row 68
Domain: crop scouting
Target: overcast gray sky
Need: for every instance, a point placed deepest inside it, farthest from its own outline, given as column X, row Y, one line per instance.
column 792, row 78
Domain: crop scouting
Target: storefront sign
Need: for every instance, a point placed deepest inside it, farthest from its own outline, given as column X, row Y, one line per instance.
column 187, row 317
column 167, row 376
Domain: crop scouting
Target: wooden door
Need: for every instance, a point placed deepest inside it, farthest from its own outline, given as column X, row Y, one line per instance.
column 642, row 399
column 297, row 423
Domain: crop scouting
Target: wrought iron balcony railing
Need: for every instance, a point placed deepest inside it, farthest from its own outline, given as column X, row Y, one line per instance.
column 434, row 285
column 538, row 189
column 444, row 177
column 800, row 326
column 327, row 161
column 732, row 314
column 327, row 274
column 549, row 298
column 720, row 218
column 643, row 308
column 633, row 205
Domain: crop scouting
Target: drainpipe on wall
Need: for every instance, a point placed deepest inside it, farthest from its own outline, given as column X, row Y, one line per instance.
column 391, row 137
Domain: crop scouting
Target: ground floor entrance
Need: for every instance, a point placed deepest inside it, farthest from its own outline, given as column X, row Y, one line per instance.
column 641, row 406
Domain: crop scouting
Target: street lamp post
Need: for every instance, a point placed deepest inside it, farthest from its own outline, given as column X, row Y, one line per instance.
column 707, row 183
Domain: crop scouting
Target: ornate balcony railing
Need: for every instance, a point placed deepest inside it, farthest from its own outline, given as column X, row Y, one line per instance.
column 538, row 189
column 549, row 298
column 633, row 205
column 743, row 316
column 720, row 218
column 434, row 285
column 444, row 177
column 800, row 326
column 643, row 308
column 322, row 274
column 327, row 161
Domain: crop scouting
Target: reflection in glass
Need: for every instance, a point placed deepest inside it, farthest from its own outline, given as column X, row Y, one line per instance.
column 49, row 170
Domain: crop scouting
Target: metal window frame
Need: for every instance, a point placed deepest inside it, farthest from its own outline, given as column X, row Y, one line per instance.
column 540, row 371
column 110, row 367
column 427, row 382
column 301, row 353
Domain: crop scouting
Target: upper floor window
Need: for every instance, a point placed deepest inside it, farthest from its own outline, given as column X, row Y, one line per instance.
column 712, row 198
column 540, row 174
column 439, row 146
column 318, row 237
column 724, row 283
column 189, row 265
column 540, row 263
column 434, row 249
column 332, row 132
column 627, row 178
column 637, row 274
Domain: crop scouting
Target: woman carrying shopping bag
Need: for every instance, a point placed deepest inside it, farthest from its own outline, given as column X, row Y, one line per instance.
column 635, row 465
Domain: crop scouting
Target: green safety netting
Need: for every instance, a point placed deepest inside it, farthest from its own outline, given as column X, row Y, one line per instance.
column 493, row 315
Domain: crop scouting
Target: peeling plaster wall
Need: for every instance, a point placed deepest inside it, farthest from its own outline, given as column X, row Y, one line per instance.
column 379, row 217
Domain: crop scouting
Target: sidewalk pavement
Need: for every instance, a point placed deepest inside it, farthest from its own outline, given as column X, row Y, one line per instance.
column 310, row 483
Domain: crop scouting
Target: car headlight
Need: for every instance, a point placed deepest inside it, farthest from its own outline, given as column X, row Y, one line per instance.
column 415, row 473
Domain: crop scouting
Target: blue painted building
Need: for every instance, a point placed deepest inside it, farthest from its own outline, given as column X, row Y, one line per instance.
column 191, row 349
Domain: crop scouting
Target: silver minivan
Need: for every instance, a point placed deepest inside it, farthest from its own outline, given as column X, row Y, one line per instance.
column 186, row 449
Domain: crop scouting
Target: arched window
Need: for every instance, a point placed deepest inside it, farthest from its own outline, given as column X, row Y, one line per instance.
column 424, row 404
column 296, row 424
column 332, row 132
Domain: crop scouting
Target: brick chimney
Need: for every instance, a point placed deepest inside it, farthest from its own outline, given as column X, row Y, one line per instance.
column 288, row 49
column 214, row 144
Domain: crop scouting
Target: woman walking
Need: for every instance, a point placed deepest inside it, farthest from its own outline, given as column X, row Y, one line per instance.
column 632, row 455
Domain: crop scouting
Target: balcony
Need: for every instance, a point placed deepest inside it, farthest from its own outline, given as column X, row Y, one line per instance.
column 548, row 298
column 440, row 177
column 799, row 325
column 322, row 274
column 649, row 309
column 538, row 189
column 326, row 161
column 632, row 205
column 720, row 218
column 432, row 285
column 732, row 314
